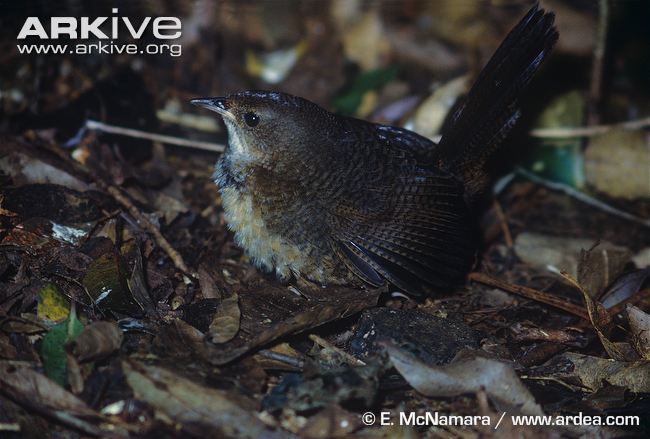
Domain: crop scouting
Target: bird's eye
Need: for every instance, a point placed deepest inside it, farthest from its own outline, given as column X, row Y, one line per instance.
column 251, row 119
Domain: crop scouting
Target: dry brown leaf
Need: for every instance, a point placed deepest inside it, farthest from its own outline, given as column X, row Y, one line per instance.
column 541, row 251
column 97, row 340
column 29, row 169
column 593, row 373
column 225, row 323
column 207, row 280
column 600, row 320
column 74, row 374
column 138, row 284
column 599, row 267
column 7, row 349
column 180, row 340
column 40, row 394
column 43, row 390
column 270, row 312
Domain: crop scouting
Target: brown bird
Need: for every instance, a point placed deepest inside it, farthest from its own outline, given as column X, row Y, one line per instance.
column 338, row 200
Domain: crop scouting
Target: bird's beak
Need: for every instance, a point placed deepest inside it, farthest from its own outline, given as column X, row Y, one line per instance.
column 219, row 105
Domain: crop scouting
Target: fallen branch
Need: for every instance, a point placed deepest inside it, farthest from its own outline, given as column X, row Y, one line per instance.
column 170, row 140
column 530, row 293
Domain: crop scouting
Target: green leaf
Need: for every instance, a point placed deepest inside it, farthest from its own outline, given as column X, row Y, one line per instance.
column 560, row 160
column 562, row 164
column 106, row 282
column 53, row 347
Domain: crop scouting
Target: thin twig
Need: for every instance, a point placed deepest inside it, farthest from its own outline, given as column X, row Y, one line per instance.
column 597, row 67
column 202, row 123
column 13, row 427
column 143, row 222
column 504, row 224
column 581, row 196
column 170, row 140
column 589, row 131
column 555, row 380
column 545, row 133
column 350, row 359
column 530, row 293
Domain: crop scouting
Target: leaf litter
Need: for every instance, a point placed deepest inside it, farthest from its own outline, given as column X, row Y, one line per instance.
column 126, row 309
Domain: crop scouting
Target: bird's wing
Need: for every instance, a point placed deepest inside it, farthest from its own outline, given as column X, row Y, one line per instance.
column 413, row 231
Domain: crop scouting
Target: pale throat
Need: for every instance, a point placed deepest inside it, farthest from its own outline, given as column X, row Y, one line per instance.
column 236, row 145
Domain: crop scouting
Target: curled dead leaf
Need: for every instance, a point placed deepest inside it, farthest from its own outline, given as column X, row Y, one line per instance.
column 640, row 328
column 601, row 321
column 466, row 375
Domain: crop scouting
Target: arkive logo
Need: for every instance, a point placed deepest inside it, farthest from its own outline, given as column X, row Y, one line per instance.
column 100, row 35
column 164, row 28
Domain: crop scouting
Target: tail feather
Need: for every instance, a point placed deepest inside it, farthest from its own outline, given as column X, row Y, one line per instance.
column 490, row 110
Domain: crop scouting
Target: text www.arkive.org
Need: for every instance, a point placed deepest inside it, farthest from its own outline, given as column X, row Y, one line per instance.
column 101, row 47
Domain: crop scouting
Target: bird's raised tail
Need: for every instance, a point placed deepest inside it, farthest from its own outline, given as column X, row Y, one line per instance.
column 489, row 112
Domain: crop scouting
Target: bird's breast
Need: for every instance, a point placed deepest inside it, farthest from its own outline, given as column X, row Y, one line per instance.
column 267, row 249
column 279, row 229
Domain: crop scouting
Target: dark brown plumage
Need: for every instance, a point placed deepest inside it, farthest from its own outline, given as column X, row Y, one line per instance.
column 337, row 200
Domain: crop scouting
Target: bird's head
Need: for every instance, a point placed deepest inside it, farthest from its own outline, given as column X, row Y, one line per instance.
column 268, row 129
